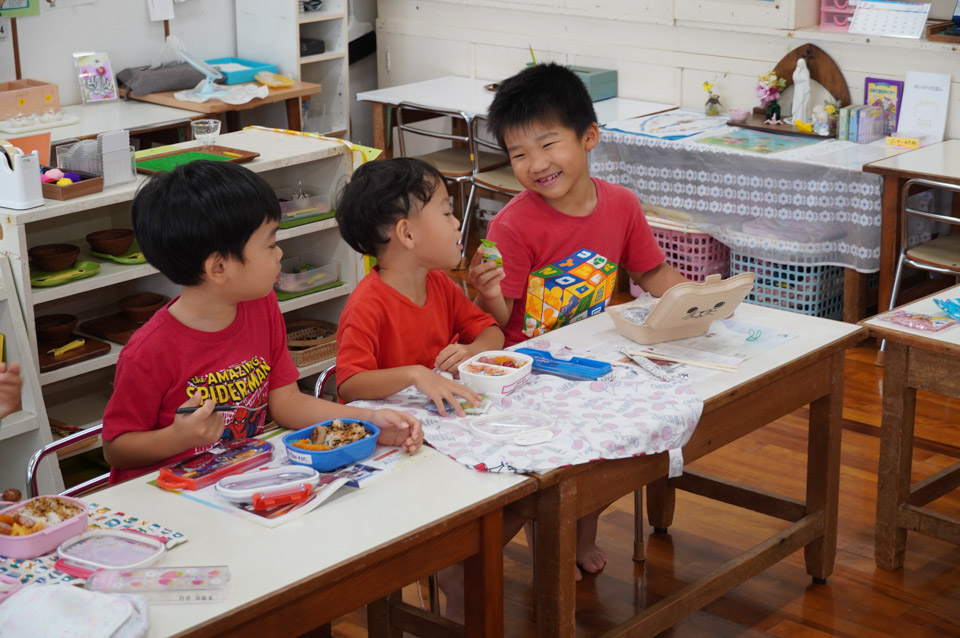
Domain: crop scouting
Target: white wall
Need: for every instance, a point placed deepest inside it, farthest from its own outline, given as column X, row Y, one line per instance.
column 121, row 28
column 657, row 56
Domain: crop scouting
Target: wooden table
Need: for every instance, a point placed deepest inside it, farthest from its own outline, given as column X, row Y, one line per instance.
column 470, row 96
column 915, row 360
column 290, row 95
column 356, row 548
column 938, row 162
column 808, row 369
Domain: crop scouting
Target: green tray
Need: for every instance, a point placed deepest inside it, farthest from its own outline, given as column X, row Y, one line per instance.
column 80, row 270
column 283, row 296
column 300, row 221
column 133, row 255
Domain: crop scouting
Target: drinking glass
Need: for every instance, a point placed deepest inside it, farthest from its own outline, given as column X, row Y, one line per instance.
column 205, row 131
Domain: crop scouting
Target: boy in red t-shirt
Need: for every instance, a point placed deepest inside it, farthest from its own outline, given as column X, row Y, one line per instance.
column 407, row 317
column 211, row 227
column 562, row 238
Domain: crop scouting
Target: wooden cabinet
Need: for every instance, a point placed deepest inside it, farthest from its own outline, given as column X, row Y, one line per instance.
column 273, row 32
column 77, row 393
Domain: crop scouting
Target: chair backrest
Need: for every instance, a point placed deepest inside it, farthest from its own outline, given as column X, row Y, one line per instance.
column 483, row 142
column 325, row 376
column 50, row 448
column 912, row 185
column 410, row 115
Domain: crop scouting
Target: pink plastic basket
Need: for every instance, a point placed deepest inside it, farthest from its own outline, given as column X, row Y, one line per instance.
column 694, row 254
column 836, row 14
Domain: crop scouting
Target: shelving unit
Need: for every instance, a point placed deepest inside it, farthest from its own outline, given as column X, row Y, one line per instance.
column 77, row 393
column 271, row 32
column 23, row 432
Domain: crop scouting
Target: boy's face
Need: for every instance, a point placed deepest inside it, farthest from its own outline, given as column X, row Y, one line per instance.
column 436, row 231
column 549, row 158
column 254, row 278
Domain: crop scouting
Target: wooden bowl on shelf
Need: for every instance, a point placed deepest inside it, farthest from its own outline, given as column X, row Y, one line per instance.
column 55, row 330
column 141, row 306
column 112, row 241
column 54, row 257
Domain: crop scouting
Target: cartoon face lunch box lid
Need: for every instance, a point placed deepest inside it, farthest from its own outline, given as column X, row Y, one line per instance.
column 686, row 310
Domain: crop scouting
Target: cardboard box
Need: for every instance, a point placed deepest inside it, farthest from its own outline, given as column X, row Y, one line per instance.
column 27, row 96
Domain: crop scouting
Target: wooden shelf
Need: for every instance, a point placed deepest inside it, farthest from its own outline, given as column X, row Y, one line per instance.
column 18, row 423
column 307, row 17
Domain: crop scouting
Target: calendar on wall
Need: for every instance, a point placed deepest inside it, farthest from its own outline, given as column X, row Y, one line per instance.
column 895, row 19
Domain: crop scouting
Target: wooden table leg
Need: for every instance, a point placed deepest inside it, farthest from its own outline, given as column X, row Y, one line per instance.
column 233, row 121
column 483, row 581
column 823, row 472
column 661, row 502
column 380, row 127
column 889, row 237
column 294, row 115
column 556, row 561
column 378, row 617
column 896, row 458
column 854, row 295
column 639, row 552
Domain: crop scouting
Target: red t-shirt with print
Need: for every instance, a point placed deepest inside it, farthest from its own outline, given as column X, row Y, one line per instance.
column 165, row 362
column 559, row 269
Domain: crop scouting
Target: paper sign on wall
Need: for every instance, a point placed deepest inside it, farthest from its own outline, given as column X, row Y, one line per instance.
column 926, row 97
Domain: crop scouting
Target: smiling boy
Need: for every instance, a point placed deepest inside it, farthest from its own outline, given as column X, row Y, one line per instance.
column 562, row 238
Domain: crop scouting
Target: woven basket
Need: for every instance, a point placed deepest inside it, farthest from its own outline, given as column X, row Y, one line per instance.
column 311, row 340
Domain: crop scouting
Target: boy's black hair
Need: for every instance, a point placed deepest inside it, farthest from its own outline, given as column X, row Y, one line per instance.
column 541, row 94
column 378, row 195
column 182, row 217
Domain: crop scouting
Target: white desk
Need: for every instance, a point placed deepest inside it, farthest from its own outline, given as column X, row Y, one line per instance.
column 469, row 96
column 354, row 549
column 111, row 116
column 914, row 360
column 808, row 369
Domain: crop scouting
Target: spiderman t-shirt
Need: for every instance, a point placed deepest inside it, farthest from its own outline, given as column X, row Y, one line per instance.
column 165, row 363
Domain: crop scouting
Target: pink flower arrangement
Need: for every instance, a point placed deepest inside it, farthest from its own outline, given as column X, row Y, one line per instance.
column 769, row 87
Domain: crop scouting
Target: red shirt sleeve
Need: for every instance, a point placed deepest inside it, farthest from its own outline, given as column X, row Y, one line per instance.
column 518, row 259
column 135, row 403
column 641, row 251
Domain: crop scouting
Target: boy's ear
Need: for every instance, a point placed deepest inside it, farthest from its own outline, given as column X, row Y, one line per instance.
column 591, row 137
column 403, row 233
column 214, row 268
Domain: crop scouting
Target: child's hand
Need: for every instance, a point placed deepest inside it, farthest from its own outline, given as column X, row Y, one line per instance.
column 10, row 384
column 398, row 428
column 453, row 355
column 485, row 276
column 201, row 428
column 439, row 388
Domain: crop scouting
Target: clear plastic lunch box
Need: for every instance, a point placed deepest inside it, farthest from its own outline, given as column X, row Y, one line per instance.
column 523, row 427
column 108, row 549
column 269, row 488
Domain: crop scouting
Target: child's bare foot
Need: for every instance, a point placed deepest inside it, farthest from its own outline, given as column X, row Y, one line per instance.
column 591, row 558
column 450, row 581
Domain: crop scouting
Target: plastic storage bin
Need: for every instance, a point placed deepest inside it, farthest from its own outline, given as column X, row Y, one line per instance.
column 694, row 254
column 807, row 289
column 303, row 202
column 294, row 278
column 836, row 14
column 241, row 75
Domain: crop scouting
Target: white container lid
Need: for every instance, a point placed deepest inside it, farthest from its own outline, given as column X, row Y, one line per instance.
column 525, row 427
column 242, row 488
column 111, row 549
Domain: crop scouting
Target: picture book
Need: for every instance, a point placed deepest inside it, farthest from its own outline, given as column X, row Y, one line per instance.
column 926, row 97
column 758, row 142
column 886, row 94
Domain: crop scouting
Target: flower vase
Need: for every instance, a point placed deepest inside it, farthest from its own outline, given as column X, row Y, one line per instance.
column 712, row 107
column 772, row 110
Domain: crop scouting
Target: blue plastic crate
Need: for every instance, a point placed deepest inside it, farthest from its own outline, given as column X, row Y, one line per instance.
column 245, row 75
column 807, row 289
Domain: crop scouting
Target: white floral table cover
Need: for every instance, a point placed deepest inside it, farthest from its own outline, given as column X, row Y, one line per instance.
column 627, row 413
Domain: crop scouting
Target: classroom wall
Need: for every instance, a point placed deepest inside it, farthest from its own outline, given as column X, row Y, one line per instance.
column 660, row 53
column 121, row 28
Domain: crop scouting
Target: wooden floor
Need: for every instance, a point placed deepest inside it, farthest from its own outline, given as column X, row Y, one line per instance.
column 859, row 600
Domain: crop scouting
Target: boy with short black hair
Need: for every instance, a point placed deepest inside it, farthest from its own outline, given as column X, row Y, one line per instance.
column 562, row 238
column 407, row 316
column 211, row 227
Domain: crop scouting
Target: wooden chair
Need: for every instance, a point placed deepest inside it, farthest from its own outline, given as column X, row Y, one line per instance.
column 318, row 388
column 455, row 163
column 50, row 448
column 941, row 254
